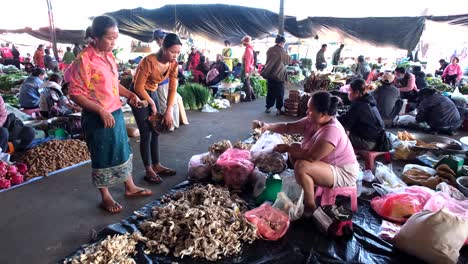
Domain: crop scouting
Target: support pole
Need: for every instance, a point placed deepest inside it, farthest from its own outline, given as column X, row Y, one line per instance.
column 281, row 19
column 53, row 35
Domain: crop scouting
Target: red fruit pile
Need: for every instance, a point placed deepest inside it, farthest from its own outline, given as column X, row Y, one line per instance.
column 11, row 175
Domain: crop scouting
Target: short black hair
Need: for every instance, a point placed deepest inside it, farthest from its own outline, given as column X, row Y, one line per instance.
column 360, row 58
column 36, row 72
column 55, row 78
column 68, row 48
column 170, row 40
column 358, row 85
column 280, row 39
column 100, row 26
column 417, row 69
column 65, row 88
column 324, row 46
column 400, row 70
column 456, row 58
column 342, row 46
column 41, row 46
column 441, row 61
column 227, row 42
column 47, row 51
column 427, row 92
column 325, row 103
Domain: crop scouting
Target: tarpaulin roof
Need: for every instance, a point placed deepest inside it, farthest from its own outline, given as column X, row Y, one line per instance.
column 220, row 22
column 63, row 36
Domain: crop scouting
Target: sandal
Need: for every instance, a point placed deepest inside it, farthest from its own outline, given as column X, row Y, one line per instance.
column 113, row 208
column 166, row 172
column 140, row 193
column 153, row 179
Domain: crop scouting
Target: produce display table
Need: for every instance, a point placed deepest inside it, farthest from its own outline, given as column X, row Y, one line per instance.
column 231, row 91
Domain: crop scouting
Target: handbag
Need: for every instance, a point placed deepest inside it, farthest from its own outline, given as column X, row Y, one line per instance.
column 156, row 123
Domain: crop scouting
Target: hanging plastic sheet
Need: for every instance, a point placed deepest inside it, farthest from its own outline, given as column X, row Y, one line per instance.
column 301, row 244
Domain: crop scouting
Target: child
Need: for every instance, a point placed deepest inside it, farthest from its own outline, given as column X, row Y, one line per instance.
column 66, row 105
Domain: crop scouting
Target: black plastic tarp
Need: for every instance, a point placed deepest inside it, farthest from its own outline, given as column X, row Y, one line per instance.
column 63, row 36
column 303, row 243
column 461, row 20
column 220, row 22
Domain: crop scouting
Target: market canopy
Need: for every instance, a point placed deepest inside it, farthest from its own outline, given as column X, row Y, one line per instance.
column 63, row 36
column 220, row 22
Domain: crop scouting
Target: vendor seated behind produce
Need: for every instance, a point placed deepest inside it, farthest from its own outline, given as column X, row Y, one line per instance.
column 438, row 111
column 13, row 130
column 362, row 120
column 326, row 156
column 387, row 97
column 406, row 82
column 29, row 95
column 51, row 91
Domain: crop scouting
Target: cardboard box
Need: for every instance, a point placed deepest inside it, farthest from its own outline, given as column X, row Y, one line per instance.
column 233, row 98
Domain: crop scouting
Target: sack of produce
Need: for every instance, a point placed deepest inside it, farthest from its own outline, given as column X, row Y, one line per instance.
column 258, row 182
column 291, row 198
column 263, row 155
column 199, row 166
column 237, row 167
column 400, row 206
column 271, row 223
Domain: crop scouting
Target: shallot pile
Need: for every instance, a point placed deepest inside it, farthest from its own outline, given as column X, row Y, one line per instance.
column 204, row 221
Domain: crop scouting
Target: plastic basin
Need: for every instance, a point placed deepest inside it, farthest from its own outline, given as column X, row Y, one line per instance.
column 462, row 184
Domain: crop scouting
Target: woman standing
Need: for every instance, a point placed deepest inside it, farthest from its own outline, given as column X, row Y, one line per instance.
column 227, row 54
column 249, row 65
column 39, row 57
column 151, row 72
column 453, row 73
column 94, row 85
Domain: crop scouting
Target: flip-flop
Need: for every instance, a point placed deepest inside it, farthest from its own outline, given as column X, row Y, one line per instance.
column 140, row 193
column 166, row 172
column 153, row 179
column 108, row 208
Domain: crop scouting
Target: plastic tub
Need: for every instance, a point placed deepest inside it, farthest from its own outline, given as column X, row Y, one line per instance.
column 462, row 184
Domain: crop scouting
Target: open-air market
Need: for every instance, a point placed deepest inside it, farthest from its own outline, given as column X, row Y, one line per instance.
column 251, row 132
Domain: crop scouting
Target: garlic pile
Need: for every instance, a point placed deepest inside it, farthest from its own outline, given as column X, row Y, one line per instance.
column 203, row 221
column 113, row 249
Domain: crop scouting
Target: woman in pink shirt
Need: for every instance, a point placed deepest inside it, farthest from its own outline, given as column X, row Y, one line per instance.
column 94, row 85
column 406, row 83
column 248, row 63
column 452, row 73
column 326, row 156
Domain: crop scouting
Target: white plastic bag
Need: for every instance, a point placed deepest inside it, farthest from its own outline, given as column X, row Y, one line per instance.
column 263, row 155
column 265, row 143
column 208, row 109
column 431, row 171
column 197, row 169
column 387, row 177
column 291, row 198
column 405, row 120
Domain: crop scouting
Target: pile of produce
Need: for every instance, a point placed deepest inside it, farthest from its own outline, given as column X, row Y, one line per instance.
column 194, row 95
column 289, row 139
column 242, row 145
column 259, row 86
column 11, row 175
column 230, row 82
column 316, row 82
column 203, row 221
column 303, row 104
column 464, row 89
column 54, row 155
column 7, row 81
column 220, row 147
column 419, row 177
column 438, row 84
column 11, row 100
column 113, row 249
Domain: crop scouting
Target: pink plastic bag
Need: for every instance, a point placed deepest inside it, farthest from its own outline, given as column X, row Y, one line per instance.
column 271, row 223
column 237, row 167
column 400, row 206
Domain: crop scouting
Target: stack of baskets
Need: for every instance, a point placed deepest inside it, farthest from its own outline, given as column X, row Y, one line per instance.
column 291, row 105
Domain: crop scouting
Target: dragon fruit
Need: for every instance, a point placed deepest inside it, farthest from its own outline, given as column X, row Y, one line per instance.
column 3, row 169
column 22, row 168
column 4, row 183
column 17, row 178
column 12, row 169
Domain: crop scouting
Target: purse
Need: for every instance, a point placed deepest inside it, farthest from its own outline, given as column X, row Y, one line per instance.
column 156, row 123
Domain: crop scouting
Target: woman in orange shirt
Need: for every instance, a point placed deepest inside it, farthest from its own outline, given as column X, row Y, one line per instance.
column 94, row 85
column 39, row 57
column 153, row 70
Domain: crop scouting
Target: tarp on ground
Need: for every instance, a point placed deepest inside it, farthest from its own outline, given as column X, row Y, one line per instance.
column 220, row 22
column 63, row 36
column 301, row 244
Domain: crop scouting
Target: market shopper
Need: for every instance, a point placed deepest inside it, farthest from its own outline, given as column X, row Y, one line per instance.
column 325, row 157
column 276, row 74
column 363, row 121
column 38, row 57
column 320, row 62
column 337, row 55
column 362, row 69
column 94, row 85
column 453, row 73
column 76, row 49
column 227, row 54
column 387, row 97
column 218, row 71
column 16, row 56
column 50, row 62
column 438, row 111
column 13, row 130
column 248, row 67
column 29, row 95
column 68, row 58
column 406, row 82
column 7, row 54
column 443, row 64
column 420, row 77
column 153, row 70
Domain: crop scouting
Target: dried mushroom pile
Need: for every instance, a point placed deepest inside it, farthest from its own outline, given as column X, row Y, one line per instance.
column 289, row 139
column 204, row 221
column 113, row 249
column 54, row 155
column 220, row 147
column 242, row 145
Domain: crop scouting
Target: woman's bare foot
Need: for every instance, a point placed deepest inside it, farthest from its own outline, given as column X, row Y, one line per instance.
column 151, row 176
column 163, row 171
column 131, row 190
column 108, row 203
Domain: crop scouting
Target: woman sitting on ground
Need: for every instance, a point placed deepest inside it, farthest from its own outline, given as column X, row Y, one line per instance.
column 362, row 120
column 438, row 111
column 325, row 157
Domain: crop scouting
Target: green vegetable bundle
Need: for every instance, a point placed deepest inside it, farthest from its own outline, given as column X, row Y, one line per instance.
column 464, row 89
column 194, row 95
column 259, row 86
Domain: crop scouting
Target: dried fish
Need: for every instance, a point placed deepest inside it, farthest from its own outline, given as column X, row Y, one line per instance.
column 220, row 147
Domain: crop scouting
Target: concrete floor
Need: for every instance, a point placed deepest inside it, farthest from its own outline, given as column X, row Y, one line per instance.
column 44, row 221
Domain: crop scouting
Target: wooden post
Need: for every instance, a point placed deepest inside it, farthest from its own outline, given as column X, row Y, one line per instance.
column 53, row 35
column 281, row 19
